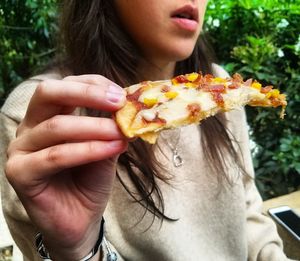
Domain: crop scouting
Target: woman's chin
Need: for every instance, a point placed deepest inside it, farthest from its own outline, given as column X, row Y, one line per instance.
column 181, row 52
column 176, row 55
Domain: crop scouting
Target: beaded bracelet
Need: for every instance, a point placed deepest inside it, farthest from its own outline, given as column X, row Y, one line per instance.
column 44, row 254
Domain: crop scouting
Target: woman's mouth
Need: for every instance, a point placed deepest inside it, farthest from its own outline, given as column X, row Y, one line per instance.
column 186, row 18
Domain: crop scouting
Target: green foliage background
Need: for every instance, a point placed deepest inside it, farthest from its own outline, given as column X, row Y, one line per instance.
column 261, row 39
column 26, row 39
column 258, row 38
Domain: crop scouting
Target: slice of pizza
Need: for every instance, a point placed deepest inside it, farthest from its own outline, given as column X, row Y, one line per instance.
column 156, row 105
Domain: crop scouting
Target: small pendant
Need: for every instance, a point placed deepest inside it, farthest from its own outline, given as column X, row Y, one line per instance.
column 112, row 257
column 177, row 160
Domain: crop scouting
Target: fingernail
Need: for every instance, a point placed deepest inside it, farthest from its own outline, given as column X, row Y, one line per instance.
column 115, row 93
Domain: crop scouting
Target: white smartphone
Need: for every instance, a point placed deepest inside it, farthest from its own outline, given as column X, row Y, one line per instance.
column 286, row 217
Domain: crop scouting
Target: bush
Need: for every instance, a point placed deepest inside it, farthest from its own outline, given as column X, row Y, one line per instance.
column 261, row 40
column 26, row 39
column 257, row 38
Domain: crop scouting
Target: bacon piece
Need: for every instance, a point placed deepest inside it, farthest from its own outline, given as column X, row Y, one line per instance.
column 165, row 88
column 234, row 85
column 134, row 124
column 203, row 87
column 135, row 96
column 218, row 98
column 237, row 78
column 199, row 79
column 194, row 109
column 139, row 105
column 266, row 89
column 159, row 120
column 217, row 88
column 276, row 102
column 181, row 79
column 208, row 78
column 212, row 88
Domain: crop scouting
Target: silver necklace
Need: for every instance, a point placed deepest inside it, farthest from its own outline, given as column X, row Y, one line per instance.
column 176, row 158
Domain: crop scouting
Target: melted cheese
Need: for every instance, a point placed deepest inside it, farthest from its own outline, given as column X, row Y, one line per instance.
column 240, row 96
column 174, row 110
column 163, row 105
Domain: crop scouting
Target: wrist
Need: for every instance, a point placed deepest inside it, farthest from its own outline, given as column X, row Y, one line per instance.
column 87, row 249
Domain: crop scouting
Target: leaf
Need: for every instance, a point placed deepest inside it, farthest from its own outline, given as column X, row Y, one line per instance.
column 297, row 167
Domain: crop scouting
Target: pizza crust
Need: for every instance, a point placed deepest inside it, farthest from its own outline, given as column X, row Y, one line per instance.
column 136, row 127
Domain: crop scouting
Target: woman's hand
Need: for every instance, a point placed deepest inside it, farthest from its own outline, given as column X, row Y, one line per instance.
column 63, row 166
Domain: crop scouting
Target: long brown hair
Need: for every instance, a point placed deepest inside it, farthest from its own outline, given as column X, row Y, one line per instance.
column 94, row 42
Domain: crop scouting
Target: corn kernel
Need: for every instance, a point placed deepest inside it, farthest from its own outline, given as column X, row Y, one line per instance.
column 192, row 77
column 219, row 80
column 190, row 85
column 256, row 85
column 171, row 95
column 174, row 81
column 150, row 101
column 274, row 93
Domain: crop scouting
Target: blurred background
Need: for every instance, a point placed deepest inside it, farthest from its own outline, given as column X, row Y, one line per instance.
column 261, row 39
column 258, row 38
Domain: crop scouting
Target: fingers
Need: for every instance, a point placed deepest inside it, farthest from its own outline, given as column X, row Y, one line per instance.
column 54, row 97
column 67, row 128
column 50, row 140
column 31, row 170
column 95, row 79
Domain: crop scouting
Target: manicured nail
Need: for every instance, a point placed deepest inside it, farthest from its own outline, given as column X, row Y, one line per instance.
column 115, row 93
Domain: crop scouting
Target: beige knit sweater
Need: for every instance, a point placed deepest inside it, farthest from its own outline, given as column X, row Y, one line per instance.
column 214, row 222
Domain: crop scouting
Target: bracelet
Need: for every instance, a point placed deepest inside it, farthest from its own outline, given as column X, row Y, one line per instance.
column 44, row 254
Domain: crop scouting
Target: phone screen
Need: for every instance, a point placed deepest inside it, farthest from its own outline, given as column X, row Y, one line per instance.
column 290, row 219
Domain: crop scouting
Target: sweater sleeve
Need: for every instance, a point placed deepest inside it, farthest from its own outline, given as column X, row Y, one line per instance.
column 263, row 240
column 21, row 228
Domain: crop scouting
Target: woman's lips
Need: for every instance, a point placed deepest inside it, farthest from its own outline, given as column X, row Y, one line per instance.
column 186, row 18
column 186, row 24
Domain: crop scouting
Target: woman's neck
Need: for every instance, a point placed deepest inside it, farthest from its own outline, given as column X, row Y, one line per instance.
column 156, row 71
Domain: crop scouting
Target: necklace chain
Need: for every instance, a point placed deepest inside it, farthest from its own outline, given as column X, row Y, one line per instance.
column 176, row 158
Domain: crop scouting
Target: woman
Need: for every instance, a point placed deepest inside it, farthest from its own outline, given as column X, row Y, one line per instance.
column 64, row 161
